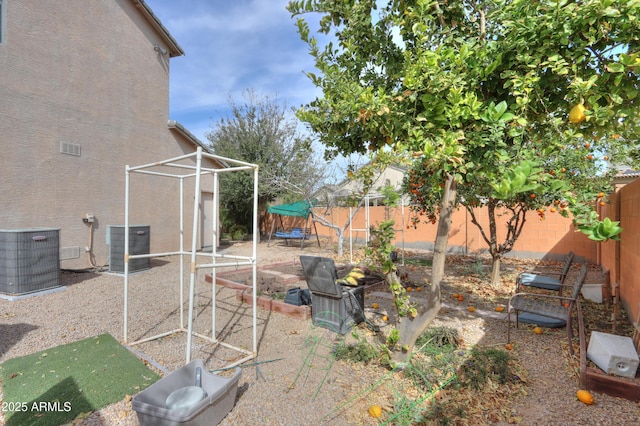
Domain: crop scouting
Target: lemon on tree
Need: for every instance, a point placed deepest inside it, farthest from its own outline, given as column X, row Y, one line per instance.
column 576, row 115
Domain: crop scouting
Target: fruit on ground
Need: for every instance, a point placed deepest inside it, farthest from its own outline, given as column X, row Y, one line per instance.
column 375, row 305
column 508, row 346
column 576, row 115
column 537, row 330
column 460, row 298
column 375, row 411
column 499, row 308
column 585, row 396
column 385, row 318
column 471, row 309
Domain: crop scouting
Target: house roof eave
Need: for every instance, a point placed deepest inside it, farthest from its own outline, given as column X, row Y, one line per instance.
column 172, row 45
column 174, row 125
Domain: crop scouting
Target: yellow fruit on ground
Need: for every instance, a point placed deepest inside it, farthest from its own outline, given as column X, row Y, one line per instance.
column 418, row 288
column 385, row 318
column 537, row 330
column 471, row 309
column 375, row 305
column 499, row 308
column 375, row 411
column 576, row 115
column 585, row 396
column 508, row 346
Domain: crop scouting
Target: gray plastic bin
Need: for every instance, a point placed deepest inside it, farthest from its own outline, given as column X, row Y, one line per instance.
column 150, row 406
column 333, row 306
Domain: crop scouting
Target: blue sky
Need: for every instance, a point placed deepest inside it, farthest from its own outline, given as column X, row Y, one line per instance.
column 231, row 46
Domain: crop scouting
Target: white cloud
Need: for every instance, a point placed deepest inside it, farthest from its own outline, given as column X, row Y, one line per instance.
column 230, row 47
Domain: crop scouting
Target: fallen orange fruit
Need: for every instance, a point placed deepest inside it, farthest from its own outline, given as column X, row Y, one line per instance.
column 385, row 318
column 508, row 346
column 499, row 308
column 460, row 298
column 375, row 411
column 537, row 330
column 471, row 309
column 375, row 305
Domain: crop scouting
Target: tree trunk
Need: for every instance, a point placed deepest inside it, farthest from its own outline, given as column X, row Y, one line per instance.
column 340, row 233
column 411, row 328
column 495, row 271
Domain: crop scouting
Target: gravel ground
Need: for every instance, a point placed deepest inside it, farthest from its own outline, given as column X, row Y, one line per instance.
column 296, row 381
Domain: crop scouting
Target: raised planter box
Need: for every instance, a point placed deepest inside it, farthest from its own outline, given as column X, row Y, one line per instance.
column 244, row 295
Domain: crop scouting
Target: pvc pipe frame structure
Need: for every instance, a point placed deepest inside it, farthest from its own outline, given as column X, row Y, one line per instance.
column 196, row 172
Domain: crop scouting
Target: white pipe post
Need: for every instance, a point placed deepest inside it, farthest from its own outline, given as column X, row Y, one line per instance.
column 182, row 253
column 256, row 232
column 126, row 253
column 214, row 252
column 194, row 237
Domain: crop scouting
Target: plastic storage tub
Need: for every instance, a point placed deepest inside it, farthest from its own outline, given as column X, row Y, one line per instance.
column 150, row 406
column 613, row 354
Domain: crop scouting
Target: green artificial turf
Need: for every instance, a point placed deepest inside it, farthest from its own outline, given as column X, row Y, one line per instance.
column 55, row 386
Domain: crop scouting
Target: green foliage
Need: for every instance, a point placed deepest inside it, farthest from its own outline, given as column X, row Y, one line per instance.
column 238, row 232
column 378, row 254
column 481, row 91
column 359, row 352
column 438, row 337
column 260, row 132
column 393, row 338
column 602, row 231
column 484, row 364
column 523, row 178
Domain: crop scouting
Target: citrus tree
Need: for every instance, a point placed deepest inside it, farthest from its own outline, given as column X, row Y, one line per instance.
column 488, row 97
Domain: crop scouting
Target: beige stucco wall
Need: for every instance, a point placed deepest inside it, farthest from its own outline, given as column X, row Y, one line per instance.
column 86, row 73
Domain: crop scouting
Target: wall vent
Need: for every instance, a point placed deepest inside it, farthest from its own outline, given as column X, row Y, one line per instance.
column 70, row 148
column 69, row 253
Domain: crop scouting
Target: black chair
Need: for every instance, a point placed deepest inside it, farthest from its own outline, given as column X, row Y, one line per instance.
column 540, row 304
column 333, row 306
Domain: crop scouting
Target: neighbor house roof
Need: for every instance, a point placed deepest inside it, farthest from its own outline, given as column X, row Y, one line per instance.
column 626, row 176
column 174, row 48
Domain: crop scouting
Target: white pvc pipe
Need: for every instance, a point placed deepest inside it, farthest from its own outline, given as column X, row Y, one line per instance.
column 239, row 260
column 182, row 253
column 256, row 233
column 194, row 237
column 126, row 253
column 214, row 252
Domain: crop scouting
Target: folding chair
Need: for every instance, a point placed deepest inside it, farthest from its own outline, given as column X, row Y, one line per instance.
column 546, row 280
column 540, row 304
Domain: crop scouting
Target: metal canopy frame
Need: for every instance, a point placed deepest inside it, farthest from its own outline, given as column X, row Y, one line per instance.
column 217, row 260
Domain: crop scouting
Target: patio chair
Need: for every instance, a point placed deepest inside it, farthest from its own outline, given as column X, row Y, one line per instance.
column 540, row 304
column 546, row 280
column 333, row 306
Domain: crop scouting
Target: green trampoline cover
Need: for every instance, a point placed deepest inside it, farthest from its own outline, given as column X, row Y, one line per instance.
column 299, row 209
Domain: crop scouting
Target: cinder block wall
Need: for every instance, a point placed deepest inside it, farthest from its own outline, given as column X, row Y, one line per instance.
column 622, row 258
column 552, row 237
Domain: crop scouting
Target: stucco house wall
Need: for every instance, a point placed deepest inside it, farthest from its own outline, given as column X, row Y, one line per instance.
column 84, row 91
